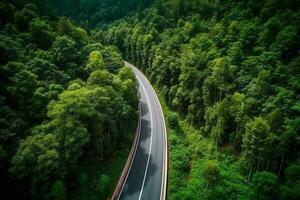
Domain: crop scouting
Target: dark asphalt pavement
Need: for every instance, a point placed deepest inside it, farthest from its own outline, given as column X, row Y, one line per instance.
column 147, row 173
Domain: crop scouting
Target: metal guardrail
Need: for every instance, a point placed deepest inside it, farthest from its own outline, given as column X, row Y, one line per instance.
column 126, row 169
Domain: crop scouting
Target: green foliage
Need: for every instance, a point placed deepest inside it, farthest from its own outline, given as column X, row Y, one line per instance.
column 265, row 184
column 100, row 78
column 112, row 59
column 42, row 33
column 67, row 104
column 126, row 82
column 211, row 172
column 255, row 138
column 9, row 49
column 25, row 16
column 47, row 71
column 24, row 83
column 180, row 159
column 64, row 50
column 292, row 173
column 102, row 186
column 58, row 190
column 172, row 120
column 7, row 11
column 290, row 190
column 36, row 155
column 95, row 62
column 229, row 69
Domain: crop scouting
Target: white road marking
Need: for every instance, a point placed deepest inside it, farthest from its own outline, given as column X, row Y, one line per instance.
column 147, row 165
column 165, row 169
column 164, row 176
column 133, row 155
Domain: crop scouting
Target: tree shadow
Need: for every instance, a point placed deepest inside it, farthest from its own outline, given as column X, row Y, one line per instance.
column 135, row 178
column 144, row 108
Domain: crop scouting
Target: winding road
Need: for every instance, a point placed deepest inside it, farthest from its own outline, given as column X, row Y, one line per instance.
column 147, row 175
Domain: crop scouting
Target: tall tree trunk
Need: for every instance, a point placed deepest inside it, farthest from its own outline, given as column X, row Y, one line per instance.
column 218, row 124
column 268, row 162
column 235, row 136
column 114, row 143
column 218, row 136
column 281, row 163
column 101, row 154
column 258, row 163
column 294, row 149
column 108, row 139
column 250, row 172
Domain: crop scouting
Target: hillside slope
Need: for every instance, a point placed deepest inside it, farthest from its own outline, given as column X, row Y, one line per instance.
column 230, row 69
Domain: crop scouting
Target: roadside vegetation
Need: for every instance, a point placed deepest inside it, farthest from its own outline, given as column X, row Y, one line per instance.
column 67, row 108
column 229, row 70
column 196, row 169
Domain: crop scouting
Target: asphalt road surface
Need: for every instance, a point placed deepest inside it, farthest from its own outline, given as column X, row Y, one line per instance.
column 147, row 175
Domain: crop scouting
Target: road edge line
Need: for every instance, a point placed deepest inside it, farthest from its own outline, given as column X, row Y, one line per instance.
column 151, row 139
column 163, row 192
column 125, row 172
column 164, row 183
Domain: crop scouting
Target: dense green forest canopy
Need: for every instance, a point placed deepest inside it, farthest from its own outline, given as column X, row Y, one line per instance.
column 88, row 13
column 231, row 70
column 227, row 71
column 67, row 106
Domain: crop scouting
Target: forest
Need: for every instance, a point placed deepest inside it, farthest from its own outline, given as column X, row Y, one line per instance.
column 67, row 107
column 227, row 74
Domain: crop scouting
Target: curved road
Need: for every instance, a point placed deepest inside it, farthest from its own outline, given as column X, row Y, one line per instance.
column 147, row 175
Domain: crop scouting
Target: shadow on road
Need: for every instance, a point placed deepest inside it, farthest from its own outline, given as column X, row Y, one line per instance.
column 134, row 181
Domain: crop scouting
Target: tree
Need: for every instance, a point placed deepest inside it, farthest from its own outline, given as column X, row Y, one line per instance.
column 255, row 141
column 221, row 75
column 47, row 71
column 102, row 186
column 290, row 190
column 59, row 190
column 100, row 78
column 126, row 83
column 7, row 11
column 112, row 59
column 12, row 129
column 238, row 112
column 25, row 16
column 265, row 185
column 9, row 49
column 37, row 156
column 72, row 134
column 64, row 50
column 42, row 33
column 269, row 32
column 23, row 85
column 235, row 53
column 286, row 41
column 292, row 173
column 172, row 120
column 80, row 36
column 211, row 173
column 217, row 120
column 95, row 62
column 64, row 26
